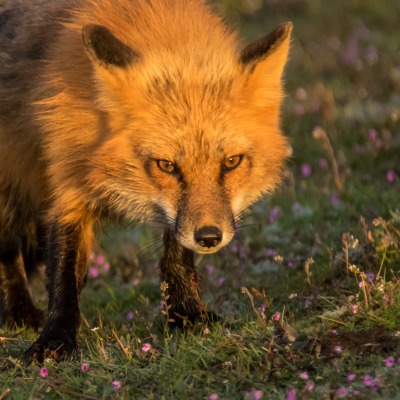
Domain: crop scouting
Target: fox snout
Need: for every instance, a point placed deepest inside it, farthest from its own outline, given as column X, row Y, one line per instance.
column 205, row 223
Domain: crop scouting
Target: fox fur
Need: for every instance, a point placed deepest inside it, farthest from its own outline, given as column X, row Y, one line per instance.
column 127, row 109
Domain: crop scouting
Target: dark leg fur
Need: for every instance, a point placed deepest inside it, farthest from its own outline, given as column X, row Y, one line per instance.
column 178, row 270
column 67, row 266
column 17, row 307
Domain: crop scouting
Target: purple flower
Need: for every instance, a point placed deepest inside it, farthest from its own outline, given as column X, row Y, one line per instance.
column 291, row 394
column 389, row 362
column 351, row 377
column 277, row 316
column 373, row 134
column 390, row 176
column 354, row 308
column 342, row 392
column 117, row 385
column 213, row 396
column 323, row 163
column 356, row 392
column 371, row 55
column 371, row 276
column 305, row 170
column 146, row 347
column 335, row 199
column 271, row 252
column 129, row 316
column 84, row 367
column 274, row 214
column 221, row 281
column 256, row 394
column 334, row 331
column 43, row 372
column 210, row 268
column 368, row 380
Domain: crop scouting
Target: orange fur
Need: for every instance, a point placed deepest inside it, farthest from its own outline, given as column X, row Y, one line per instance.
column 91, row 133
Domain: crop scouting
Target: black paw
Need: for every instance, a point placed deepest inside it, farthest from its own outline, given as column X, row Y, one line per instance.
column 41, row 350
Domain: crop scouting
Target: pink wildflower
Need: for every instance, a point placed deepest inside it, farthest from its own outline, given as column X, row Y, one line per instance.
column 354, row 308
column 342, row 392
column 310, row 386
column 368, row 381
column 100, row 260
column 351, row 377
column 117, row 385
column 323, row 163
column 146, row 347
column 304, row 375
column 274, row 214
column 390, row 176
column 43, row 372
column 135, row 282
column 291, row 394
column 339, row 349
column 305, row 170
column 213, row 396
column 94, row 272
column 84, row 367
column 335, row 199
column 389, row 362
column 256, row 394
column 277, row 316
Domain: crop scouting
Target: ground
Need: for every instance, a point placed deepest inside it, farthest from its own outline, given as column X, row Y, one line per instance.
column 308, row 291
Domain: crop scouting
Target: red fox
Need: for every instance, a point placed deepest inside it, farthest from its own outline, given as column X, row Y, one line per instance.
column 127, row 109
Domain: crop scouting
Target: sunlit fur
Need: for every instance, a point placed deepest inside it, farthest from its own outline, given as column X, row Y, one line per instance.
column 91, row 133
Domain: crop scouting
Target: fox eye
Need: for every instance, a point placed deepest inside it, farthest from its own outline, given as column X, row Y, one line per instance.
column 232, row 162
column 166, row 166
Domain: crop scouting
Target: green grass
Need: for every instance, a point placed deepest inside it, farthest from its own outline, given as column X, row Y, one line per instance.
column 344, row 77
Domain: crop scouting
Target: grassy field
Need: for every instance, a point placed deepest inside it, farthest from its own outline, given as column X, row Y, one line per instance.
column 309, row 290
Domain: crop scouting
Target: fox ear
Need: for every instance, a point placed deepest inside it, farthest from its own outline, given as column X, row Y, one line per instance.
column 105, row 48
column 265, row 60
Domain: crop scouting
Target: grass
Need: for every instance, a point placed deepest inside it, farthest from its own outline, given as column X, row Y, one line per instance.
column 310, row 290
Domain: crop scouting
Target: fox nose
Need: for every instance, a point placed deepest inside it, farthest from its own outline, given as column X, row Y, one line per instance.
column 208, row 236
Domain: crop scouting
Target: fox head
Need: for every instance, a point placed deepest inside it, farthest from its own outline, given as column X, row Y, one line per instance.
column 195, row 136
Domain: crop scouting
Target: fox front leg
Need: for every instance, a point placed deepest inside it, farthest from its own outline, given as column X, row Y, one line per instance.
column 178, row 271
column 67, row 268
